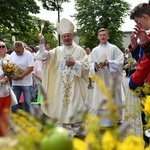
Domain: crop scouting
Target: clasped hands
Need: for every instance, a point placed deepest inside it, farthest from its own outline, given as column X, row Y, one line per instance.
column 101, row 65
column 70, row 62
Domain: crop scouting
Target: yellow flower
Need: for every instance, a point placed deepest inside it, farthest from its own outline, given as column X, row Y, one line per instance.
column 146, row 103
column 102, row 87
column 108, row 141
column 147, row 148
column 146, row 89
column 79, row 144
column 132, row 142
column 90, row 137
column 93, row 123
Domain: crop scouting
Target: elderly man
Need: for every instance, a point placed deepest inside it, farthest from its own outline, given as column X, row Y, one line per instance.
column 22, row 83
column 65, row 79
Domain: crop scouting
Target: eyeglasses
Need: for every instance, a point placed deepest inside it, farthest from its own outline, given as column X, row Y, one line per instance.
column 3, row 46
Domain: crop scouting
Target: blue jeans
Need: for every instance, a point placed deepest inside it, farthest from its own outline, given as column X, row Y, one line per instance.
column 27, row 97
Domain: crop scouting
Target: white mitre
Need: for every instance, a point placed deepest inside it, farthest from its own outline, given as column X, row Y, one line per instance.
column 65, row 26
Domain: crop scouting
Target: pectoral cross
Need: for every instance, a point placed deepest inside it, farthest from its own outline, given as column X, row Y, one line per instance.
column 68, row 56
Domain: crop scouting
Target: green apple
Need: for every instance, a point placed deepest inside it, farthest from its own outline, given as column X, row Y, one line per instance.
column 57, row 139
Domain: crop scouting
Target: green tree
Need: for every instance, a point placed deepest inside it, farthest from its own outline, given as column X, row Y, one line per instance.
column 95, row 14
column 17, row 19
column 15, row 14
column 30, row 35
column 50, row 4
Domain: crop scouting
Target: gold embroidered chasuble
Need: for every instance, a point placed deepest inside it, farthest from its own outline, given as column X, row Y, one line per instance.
column 66, row 87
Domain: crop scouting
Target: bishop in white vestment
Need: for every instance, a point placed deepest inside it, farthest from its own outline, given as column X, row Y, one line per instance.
column 65, row 78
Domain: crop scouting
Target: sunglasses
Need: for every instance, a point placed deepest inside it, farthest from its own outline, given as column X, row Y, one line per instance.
column 3, row 46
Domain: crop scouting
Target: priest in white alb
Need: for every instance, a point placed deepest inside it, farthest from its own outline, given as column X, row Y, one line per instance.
column 107, row 63
column 65, row 78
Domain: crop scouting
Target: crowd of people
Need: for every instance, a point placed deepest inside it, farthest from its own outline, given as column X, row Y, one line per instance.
column 65, row 74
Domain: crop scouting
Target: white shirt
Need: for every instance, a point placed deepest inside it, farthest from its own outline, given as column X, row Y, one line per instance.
column 23, row 61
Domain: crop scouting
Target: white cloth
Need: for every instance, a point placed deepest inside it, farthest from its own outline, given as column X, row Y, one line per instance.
column 38, row 69
column 4, row 91
column 23, row 61
column 66, row 87
column 111, row 75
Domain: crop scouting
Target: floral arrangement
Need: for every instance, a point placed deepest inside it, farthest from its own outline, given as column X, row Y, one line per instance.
column 101, row 65
column 114, row 138
column 146, row 109
column 130, row 62
column 28, row 132
column 11, row 69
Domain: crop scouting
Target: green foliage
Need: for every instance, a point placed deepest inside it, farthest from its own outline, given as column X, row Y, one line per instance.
column 16, row 19
column 50, row 4
column 93, row 15
column 30, row 36
column 15, row 14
